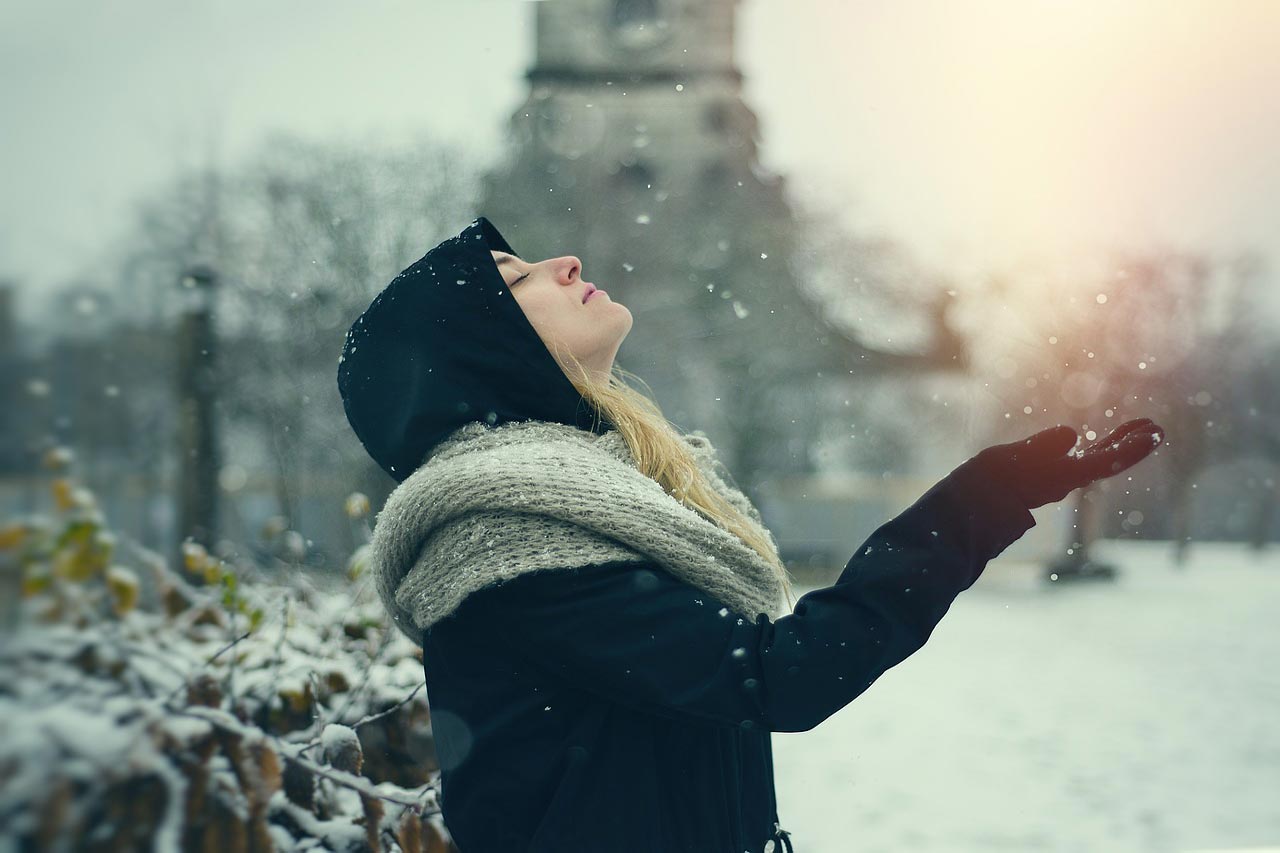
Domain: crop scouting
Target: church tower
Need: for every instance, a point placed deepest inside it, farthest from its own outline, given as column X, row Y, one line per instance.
column 634, row 131
column 635, row 151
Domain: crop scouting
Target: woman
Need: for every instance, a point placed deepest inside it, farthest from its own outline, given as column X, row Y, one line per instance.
column 593, row 598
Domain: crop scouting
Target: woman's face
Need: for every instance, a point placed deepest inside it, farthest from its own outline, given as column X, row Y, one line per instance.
column 564, row 309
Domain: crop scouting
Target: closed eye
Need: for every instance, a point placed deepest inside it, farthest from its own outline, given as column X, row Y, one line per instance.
column 520, row 279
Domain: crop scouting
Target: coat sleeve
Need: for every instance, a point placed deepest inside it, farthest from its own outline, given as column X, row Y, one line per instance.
column 637, row 635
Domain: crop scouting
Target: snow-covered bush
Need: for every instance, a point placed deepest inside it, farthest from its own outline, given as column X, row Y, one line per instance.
column 208, row 707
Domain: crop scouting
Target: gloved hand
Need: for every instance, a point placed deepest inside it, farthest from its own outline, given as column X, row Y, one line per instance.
column 1040, row 471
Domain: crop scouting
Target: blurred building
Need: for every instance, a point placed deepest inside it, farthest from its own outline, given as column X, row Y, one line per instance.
column 635, row 150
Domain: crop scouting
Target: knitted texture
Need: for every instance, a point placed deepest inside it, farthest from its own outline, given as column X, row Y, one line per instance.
column 490, row 503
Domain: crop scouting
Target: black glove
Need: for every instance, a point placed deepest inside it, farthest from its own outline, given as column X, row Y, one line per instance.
column 1040, row 471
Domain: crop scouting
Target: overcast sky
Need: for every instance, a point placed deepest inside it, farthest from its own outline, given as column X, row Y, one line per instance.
column 979, row 133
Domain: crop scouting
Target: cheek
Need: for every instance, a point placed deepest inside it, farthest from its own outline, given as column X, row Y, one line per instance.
column 547, row 316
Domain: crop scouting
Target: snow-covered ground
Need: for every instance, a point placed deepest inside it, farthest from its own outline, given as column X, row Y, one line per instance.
column 1139, row 715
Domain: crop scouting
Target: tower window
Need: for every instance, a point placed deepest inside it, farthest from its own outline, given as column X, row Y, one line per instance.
column 635, row 13
column 635, row 176
column 718, row 117
column 638, row 23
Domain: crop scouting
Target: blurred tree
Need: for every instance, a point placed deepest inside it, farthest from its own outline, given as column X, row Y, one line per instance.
column 322, row 229
column 1257, row 409
column 1182, row 338
column 303, row 236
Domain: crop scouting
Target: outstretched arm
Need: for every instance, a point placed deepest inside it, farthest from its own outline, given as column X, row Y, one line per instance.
column 637, row 635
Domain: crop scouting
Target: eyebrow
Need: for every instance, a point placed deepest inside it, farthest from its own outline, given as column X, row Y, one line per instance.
column 505, row 259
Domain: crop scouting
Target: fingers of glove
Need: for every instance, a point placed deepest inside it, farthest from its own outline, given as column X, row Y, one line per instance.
column 1117, row 457
column 1117, row 434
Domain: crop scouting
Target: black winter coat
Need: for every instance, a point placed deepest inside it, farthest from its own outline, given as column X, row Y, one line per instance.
column 614, row 708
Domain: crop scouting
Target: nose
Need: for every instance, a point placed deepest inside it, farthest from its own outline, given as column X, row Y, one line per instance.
column 570, row 266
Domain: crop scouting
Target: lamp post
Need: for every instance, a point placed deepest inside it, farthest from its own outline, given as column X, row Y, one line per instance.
column 197, row 391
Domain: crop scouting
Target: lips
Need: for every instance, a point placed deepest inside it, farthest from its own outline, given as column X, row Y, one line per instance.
column 591, row 288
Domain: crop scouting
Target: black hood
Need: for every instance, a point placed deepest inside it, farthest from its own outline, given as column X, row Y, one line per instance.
column 446, row 343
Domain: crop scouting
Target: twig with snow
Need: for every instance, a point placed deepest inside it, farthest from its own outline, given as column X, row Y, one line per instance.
column 370, row 718
column 292, row 753
column 168, row 699
column 384, row 642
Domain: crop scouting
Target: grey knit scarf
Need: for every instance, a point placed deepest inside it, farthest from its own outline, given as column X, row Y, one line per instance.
column 490, row 503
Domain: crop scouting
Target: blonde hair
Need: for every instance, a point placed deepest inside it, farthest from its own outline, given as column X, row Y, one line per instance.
column 662, row 454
